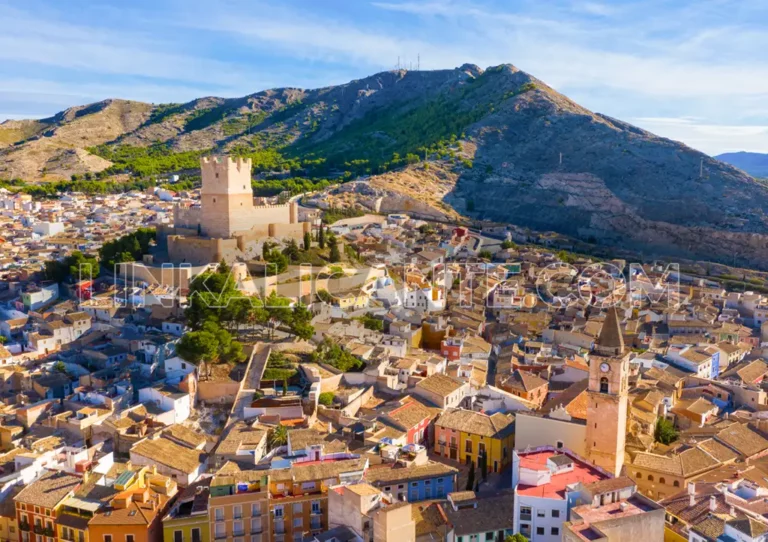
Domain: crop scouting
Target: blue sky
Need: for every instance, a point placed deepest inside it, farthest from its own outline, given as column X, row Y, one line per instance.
column 694, row 71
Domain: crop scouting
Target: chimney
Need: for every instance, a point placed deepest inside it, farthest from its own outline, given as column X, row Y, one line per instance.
column 712, row 503
column 692, row 500
column 691, row 488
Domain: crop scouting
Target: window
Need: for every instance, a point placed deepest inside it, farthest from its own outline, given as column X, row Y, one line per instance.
column 298, row 508
column 676, row 483
column 555, row 513
column 489, row 536
column 107, row 538
column 298, row 522
column 541, row 514
column 315, row 507
column 129, row 538
column 468, row 446
column 219, row 514
column 662, row 480
column 650, row 477
column 639, row 475
column 237, row 528
column 540, row 530
column 604, row 385
column 559, row 444
column 178, row 536
column 278, row 511
column 220, row 530
column 555, row 531
column 237, row 511
column 256, row 509
column 196, row 535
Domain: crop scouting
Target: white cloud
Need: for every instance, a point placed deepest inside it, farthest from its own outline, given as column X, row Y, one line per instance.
column 710, row 138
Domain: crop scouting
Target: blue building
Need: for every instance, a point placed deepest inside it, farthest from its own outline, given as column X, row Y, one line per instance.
column 431, row 480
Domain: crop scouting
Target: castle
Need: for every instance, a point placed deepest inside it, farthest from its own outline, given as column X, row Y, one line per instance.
column 228, row 222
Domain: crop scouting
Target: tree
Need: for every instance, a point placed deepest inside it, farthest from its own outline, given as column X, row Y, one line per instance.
column 291, row 251
column 517, row 537
column 307, row 240
column 484, row 465
column 278, row 436
column 334, row 255
column 485, row 254
column 277, row 263
column 471, row 478
column 321, row 236
column 665, row 431
column 300, row 322
column 331, row 353
column 324, row 296
column 565, row 257
column 326, row 398
column 371, row 322
column 60, row 367
column 507, row 244
column 198, row 348
column 285, row 387
column 3, row 339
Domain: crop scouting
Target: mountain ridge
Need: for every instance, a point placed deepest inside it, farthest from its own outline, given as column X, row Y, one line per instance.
column 521, row 153
column 753, row 163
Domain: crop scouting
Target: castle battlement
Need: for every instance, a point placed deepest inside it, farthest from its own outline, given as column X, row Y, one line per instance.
column 274, row 206
column 222, row 163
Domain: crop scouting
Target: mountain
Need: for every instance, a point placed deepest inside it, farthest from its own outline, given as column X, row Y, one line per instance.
column 754, row 163
column 500, row 144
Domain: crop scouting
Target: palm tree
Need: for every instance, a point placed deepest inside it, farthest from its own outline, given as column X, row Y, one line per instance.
column 278, row 436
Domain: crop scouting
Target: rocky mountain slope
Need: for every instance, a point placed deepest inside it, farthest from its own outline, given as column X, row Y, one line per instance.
column 509, row 147
column 754, row 163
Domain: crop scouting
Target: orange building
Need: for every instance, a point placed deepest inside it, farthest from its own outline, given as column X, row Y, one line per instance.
column 37, row 504
column 135, row 512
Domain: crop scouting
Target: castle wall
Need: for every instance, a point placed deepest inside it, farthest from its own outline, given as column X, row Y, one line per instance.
column 199, row 251
column 187, row 217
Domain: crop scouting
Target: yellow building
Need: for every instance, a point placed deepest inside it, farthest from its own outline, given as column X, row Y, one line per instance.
column 188, row 519
column 465, row 436
column 238, row 505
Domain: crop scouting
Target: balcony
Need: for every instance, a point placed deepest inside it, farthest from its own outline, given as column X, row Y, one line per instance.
column 525, row 517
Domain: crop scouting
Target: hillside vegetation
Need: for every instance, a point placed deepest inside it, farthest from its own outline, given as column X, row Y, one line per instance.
column 509, row 149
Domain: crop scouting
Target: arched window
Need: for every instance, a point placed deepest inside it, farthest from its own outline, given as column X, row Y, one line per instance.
column 676, row 483
column 639, row 475
column 662, row 480
column 604, row 385
column 650, row 477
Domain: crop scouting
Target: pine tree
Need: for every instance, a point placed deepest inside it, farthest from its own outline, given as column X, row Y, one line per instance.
column 321, row 237
column 484, row 466
column 307, row 241
column 335, row 255
column 471, row 478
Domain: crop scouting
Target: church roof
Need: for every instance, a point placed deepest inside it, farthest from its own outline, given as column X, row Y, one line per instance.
column 610, row 335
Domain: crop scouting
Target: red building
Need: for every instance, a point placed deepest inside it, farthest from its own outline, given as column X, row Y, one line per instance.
column 413, row 418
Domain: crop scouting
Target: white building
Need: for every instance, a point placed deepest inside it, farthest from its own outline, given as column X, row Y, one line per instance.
column 175, row 404
column 547, row 483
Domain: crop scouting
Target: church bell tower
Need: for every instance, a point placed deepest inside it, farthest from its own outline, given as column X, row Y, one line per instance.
column 608, row 398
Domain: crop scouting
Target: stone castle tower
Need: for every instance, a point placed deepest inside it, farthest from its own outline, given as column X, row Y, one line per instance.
column 608, row 398
column 226, row 196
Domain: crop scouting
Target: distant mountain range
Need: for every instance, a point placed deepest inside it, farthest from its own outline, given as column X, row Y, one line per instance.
column 516, row 151
column 754, row 163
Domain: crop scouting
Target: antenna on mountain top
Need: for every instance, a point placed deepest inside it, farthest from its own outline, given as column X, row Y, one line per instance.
column 701, row 169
